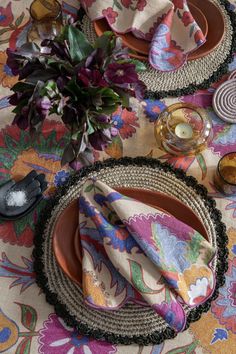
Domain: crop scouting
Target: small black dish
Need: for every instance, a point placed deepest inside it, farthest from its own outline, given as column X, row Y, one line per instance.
column 32, row 186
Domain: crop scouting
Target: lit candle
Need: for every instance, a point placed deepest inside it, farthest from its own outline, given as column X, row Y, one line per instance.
column 184, row 131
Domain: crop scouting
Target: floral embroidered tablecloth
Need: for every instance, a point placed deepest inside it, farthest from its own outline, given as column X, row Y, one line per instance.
column 28, row 323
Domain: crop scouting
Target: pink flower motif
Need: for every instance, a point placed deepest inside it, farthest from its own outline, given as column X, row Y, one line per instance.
column 6, row 16
column 110, row 15
column 56, row 337
column 141, row 4
column 187, row 18
column 126, row 3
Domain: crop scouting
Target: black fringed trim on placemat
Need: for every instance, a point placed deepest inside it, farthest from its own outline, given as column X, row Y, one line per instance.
column 156, row 337
column 222, row 70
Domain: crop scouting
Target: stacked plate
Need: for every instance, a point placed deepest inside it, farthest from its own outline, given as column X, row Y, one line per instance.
column 206, row 14
column 204, row 66
column 57, row 253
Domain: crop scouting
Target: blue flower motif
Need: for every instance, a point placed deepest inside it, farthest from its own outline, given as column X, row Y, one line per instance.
column 234, row 249
column 61, row 177
column 153, row 108
column 219, row 334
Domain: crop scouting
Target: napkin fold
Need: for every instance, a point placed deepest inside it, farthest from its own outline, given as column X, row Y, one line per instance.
column 169, row 26
column 134, row 252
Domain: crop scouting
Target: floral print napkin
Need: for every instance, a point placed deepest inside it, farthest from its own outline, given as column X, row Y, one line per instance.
column 169, row 26
column 134, row 252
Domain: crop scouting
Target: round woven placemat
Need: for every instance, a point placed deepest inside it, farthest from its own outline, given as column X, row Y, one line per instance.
column 195, row 74
column 132, row 323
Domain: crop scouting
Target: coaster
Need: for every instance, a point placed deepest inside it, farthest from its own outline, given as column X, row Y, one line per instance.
column 195, row 74
column 224, row 101
column 132, row 323
column 232, row 75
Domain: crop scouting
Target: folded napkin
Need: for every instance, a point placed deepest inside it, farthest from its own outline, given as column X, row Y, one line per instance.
column 134, row 252
column 168, row 24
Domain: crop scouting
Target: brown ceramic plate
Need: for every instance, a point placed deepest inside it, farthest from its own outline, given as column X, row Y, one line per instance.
column 66, row 240
column 206, row 14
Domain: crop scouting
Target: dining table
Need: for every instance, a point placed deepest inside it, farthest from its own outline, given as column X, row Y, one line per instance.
column 28, row 324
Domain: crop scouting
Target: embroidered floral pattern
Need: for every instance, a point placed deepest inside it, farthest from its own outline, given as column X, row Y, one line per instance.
column 110, row 15
column 171, row 29
column 151, row 250
column 56, row 337
column 224, row 307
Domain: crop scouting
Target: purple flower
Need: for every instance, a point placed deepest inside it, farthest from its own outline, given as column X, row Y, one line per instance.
column 100, row 139
column 121, row 73
column 91, row 78
column 172, row 313
column 102, row 118
column 56, row 337
column 43, row 105
column 139, row 89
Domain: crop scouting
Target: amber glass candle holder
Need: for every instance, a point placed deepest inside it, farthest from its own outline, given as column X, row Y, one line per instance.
column 46, row 16
column 225, row 175
column 183, row 129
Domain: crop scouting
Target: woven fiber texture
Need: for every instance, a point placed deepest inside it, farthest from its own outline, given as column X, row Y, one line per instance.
column 132, row 323
column 224, row 101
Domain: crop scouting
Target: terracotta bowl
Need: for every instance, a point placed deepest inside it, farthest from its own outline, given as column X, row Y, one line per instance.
column 66, row 238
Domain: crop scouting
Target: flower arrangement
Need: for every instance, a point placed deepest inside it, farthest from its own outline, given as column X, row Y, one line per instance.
column 83, row 83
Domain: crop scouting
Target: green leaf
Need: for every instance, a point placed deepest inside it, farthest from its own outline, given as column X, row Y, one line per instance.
column 139, row 66
column 41, row 75
column 104, row 41
column 19, row 19
column 68, row 154
column 187, row 349
column 137, row 278
column 202, row 163
column 80, row 47
column 90, row 129
column 191, row 31
column 24, row 346
column 117, row 4
column 179, row 14
column 22, row 87
column 89, row 188
column 28, row 316
column 4, row 30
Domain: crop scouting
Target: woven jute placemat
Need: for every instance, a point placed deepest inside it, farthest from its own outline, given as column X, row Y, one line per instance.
column 132, row 323
column 195, row 74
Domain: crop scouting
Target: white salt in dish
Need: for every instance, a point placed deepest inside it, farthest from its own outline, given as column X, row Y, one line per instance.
column 16, row 199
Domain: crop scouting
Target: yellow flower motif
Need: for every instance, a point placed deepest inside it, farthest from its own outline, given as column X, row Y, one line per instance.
column 30, row 160
column 7, row 79
column 8, row 332
column 195, row 284
column 92, row 290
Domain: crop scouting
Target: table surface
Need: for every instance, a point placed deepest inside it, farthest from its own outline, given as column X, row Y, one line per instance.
column 28, row 323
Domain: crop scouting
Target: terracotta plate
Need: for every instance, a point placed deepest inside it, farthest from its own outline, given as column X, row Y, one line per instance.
column 206, row 14
column 66, row 240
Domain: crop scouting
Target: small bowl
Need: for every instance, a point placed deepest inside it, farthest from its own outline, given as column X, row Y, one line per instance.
column 183, row 129
column 225, row 175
